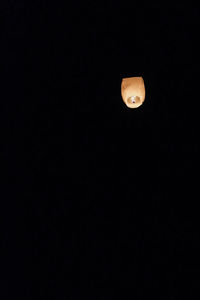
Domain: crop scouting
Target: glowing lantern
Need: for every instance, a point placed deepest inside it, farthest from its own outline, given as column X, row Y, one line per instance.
column 133, row 91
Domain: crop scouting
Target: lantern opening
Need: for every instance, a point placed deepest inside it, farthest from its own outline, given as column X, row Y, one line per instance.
column 133, row 99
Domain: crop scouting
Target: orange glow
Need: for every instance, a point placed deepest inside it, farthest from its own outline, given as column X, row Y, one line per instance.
column 133, row 91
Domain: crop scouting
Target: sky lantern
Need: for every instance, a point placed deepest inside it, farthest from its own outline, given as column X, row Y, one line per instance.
column 133, row 91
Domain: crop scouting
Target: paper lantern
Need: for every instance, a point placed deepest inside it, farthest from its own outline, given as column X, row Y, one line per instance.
column 133, row 91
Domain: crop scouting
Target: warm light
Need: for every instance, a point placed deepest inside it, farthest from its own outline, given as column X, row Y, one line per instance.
column 133, row 91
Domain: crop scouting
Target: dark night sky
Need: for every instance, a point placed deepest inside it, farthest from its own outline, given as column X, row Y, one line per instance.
column 111, row 193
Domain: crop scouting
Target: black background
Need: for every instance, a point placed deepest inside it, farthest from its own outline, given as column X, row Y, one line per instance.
column 111, row 194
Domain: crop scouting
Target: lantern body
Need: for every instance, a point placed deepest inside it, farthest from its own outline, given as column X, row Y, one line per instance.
column 133, row 91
